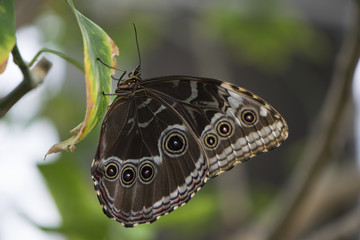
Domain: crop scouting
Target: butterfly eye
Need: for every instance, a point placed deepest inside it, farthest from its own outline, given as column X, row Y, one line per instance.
column 248, row 117
column 146, row 172
column 128, row 175
column 111, row 171
column 210, row 140
column 224, row 129
column 175, row 143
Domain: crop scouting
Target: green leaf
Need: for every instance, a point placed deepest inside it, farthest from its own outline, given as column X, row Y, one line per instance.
column 76, row 200
column 7, row 31
column 97, row 44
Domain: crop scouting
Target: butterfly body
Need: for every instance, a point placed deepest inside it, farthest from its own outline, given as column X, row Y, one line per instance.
column 163, row 138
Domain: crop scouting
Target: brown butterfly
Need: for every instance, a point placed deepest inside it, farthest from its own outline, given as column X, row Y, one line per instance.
column 163, row 138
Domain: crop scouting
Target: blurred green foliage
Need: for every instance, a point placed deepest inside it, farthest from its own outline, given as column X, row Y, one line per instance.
column 262, row 34
column 267, row 36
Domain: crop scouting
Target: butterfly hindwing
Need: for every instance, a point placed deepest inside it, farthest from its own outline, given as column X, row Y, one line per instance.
column 210, row 106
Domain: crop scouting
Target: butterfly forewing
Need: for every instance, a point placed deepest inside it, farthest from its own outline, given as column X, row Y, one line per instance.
column 159, row 152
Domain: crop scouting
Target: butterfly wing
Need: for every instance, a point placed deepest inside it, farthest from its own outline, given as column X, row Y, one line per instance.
column 148, row 162
column 160, row 143
column 232, row 123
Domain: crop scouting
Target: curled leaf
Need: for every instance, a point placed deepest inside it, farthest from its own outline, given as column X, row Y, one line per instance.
column 97, row 44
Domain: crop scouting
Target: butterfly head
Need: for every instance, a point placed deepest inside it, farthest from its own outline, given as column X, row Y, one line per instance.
column 131, row 83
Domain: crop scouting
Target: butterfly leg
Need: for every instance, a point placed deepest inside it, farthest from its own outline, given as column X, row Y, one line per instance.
column 118, row 69
column 108, row 94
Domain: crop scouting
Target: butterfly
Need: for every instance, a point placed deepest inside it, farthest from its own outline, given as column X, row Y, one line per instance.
column 162, row 138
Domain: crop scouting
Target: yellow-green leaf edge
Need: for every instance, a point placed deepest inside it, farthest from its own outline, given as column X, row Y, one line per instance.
column 7, row 31
column 97, row 44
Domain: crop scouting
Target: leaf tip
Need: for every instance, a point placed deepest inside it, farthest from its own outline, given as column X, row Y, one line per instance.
column 67, row 145
column 3, row 65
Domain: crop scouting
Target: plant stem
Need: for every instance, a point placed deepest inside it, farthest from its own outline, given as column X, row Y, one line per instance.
column 32, row 78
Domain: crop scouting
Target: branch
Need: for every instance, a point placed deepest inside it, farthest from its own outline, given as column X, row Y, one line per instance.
column 335, row 190
column 324, row 143
column 32, row 78
column 344, row 228
column 280, row 222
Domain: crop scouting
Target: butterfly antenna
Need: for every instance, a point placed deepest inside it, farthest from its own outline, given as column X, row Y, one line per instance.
column 137, row 45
